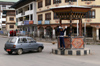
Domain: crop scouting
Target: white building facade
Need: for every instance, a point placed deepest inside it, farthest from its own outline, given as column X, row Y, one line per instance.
column 26, row 16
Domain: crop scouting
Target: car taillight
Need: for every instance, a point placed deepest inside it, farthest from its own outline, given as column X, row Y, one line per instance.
column 14, row 46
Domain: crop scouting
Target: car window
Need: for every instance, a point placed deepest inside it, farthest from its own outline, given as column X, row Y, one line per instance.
column 12, row 40
column 22, row 40
column 30, row 39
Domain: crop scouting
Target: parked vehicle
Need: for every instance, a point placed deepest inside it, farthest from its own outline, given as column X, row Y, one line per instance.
column 22, row 44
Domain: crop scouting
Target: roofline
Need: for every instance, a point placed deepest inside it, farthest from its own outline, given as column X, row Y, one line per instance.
column 20, row 1
column 69, row 6
column 7, row 1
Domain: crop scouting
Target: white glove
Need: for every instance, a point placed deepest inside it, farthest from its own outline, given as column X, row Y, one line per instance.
column 60, row 27
column 66, row 27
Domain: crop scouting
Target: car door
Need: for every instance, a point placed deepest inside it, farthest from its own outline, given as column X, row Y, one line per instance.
column 32, row 43
column 23, row 44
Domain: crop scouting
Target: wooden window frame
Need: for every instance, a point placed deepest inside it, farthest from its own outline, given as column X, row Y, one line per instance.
column 40, row 4
column 11, row 26
column 48, row 16
column 11, row 19
column 56, row 1
column 40, row 17
column 71, row 0
column 87, row 0
column 90, row 16
column 47, row 2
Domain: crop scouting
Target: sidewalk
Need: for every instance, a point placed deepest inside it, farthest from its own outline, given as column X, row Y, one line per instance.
column 4, row 36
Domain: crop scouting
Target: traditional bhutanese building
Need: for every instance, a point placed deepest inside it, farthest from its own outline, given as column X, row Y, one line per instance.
column 48, row 22
column 10, row 20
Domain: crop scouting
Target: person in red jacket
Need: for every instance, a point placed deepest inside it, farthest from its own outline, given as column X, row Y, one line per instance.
column 14, row 33
column 11, row 33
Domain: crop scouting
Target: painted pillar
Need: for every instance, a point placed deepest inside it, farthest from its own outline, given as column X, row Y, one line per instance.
column 65, row 33
column 38, row 31
column 44, row 31
column 70, row 25
column 53, row 33
column 80, row 27
column 97, row 33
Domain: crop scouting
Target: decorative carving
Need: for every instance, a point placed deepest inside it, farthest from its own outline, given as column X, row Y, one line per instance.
column 77, row 43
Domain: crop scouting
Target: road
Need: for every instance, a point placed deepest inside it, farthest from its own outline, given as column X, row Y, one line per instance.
column 46, row 58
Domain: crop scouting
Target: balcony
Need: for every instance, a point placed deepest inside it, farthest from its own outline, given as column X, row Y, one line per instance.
column 4, row 15
column 28, row 12
column 3, row 19
column 20, row 23
column 19, row 15
column 3, row 24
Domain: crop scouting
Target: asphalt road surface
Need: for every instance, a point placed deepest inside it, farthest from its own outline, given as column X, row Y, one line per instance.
column 46, row 58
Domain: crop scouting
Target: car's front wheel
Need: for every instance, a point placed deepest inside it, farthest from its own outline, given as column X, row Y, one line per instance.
column 19, row 51
column 9, row 52
column 40, row 49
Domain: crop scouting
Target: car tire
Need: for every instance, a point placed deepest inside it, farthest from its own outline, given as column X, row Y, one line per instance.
column 9, row 52
column 40, row 49
column 19, row 51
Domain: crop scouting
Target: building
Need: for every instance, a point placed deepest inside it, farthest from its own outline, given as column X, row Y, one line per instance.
column 48, row 22
column 10, row 20
column 3, row 6
column 26, row 16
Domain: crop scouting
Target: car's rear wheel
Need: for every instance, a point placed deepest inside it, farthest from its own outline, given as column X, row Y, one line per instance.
column 19, row 51
column 40, row 49
column 9, row 52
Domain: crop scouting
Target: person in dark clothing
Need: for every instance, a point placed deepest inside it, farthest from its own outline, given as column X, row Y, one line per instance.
column 61, row 36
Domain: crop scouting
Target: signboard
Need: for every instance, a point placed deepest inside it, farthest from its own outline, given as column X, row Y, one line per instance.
column 30, row 22
column 47, row 21
column 26, row 22
column 39, row 22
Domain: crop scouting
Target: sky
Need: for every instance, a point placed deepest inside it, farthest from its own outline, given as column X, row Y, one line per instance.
column 10, row 0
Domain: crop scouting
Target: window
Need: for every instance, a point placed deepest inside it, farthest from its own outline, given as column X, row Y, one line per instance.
column 31, row 17
column 31, row 6
column 11, row 18
column 88, row 0
column 47, row 2
column 40, row 17
column 3, row 5
column 48, row 16
column 12, row 40
column 40, row 4
column 30, row 40
column 11, row 26
column 70, row 0
column 22, row 40
column 16, row 19
column 3, row 22
column 55, row 16
column 56, row 1
column 90, row 14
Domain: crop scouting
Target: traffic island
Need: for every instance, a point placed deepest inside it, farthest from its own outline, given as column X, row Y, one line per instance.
column 71, row 44
column 73, row 52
